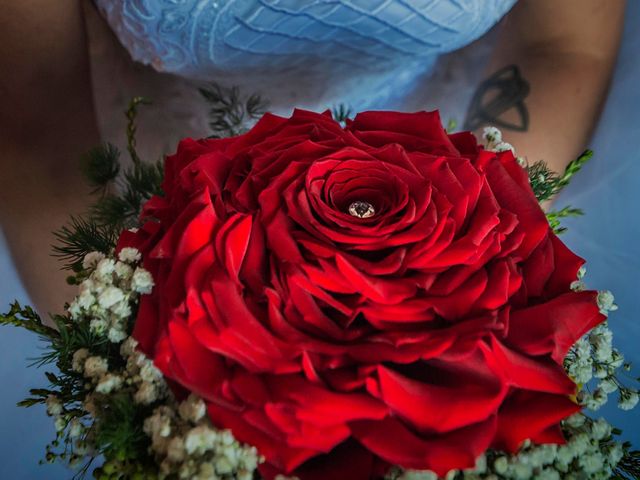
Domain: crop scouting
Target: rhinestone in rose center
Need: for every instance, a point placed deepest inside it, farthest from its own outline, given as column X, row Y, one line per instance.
column 361, row 209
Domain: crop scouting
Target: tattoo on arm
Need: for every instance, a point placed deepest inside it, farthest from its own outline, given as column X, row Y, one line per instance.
column 502, row 92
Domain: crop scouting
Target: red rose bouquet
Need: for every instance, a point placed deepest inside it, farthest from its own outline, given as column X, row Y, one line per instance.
column 344, row 301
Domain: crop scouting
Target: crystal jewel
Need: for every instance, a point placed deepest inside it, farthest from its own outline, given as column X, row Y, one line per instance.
column 361, row 209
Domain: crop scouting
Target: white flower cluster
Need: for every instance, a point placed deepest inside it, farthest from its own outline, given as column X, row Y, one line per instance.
column 579, row 285
column 493, row 142
column 187, row 446
column 589, row 454
column 142, row 374
column 594, row 357
column 606, row 302
column 107, row 293
column 477, row 472
column 76, row 429
column 183, row 439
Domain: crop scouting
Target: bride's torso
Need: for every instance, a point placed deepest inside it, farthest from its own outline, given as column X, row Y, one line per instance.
column 365, row 53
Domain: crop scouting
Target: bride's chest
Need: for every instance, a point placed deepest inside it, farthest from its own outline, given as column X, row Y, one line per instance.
column 196, row 37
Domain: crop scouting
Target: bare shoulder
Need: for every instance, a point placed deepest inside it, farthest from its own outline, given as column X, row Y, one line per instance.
column 587, row 26
column 42, row 56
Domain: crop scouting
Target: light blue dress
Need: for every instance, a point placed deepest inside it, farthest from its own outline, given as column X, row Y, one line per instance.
column 367, row 54
column 311, row 53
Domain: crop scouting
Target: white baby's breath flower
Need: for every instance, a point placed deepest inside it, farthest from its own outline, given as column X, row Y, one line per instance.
column 226, row 438
column 54, row 406
column 617, row 359
column 576, row 420
column 248, row 475
column 481, row 464
column 418, row 475
column 547, row 474
column 451, row 475
column 522, row 471
column 108, row 383
column 579, row 444
column 491, row 135
column 104, row 270
column 593, row 401
column 601, row 338
column 608, row 385
column 95, row 367
column 600, row 429
column 129, row 255
column 128, row 347
column 505, row 147
column 142, row 281
column 86, row 300
column 206, row 471
column 159, row 424
column 116, row 334
column 88, row 286
column 76, row 429
column 615, row 454
column 583, row 348
column 592, row 462
column 582, row 272
column 175, row 449
column 548, row 453
column 146, row 394
column 628, row 399
column 60, row 424
column 123, row 271
column 600, row 371
column 149, row 372
column 200, row 439
column 78, row 359
column 581, row 370
column 110, row 296
column 133, row 364
column 501, row 465
column 565, row 454
column 578, row 286
column 75, row 310
column 192, row 409
column 606, row 302
column 98, row 326
column 92, row 259
column 223, row 465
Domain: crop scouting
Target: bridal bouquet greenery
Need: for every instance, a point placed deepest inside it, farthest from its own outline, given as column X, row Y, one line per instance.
column 326, row 297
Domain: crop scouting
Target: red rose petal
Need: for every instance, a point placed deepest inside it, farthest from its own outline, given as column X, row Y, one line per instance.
column 527, row 415
column 553, row 327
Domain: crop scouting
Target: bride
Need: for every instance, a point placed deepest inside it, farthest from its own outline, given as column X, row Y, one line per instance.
column 541, row 76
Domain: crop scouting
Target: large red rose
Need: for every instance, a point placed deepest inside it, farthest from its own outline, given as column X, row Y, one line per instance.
column 418, row 328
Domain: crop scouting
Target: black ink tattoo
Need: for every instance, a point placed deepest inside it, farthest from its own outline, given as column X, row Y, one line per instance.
column 501, row 92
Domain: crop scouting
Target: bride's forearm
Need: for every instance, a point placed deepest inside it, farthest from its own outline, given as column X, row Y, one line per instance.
column 46, row 122
column 549, row 76
column 38, row 195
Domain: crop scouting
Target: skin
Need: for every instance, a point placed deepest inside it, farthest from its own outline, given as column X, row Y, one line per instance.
column 46, row 122
column 564, row 50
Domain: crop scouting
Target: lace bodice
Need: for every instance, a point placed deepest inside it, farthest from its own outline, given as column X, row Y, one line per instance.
column 361, row 52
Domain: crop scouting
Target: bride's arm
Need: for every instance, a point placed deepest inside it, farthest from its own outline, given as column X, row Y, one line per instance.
column 549, row 75
column 46, row 122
